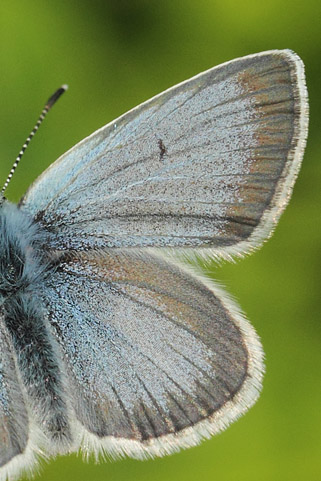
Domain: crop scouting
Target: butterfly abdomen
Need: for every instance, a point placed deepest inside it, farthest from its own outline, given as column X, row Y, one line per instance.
column 22, row 271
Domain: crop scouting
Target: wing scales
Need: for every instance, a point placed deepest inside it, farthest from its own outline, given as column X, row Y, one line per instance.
column 208, row 163
column 154, row 351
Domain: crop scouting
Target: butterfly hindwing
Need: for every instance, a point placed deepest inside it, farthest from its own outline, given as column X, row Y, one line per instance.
column 150, row 351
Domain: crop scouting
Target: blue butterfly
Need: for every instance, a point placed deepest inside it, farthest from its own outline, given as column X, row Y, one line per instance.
column 109, row 342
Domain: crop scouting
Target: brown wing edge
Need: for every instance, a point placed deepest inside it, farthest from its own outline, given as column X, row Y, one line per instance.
column 284, row 187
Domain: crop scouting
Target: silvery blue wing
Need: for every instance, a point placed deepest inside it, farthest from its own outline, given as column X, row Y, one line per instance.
column 109, row 344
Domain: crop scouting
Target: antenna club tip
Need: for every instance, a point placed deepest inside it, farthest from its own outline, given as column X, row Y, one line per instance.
column 51, row 101
column 55, row 96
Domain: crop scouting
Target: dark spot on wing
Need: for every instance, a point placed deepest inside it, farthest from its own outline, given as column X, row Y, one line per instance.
column 162, row 149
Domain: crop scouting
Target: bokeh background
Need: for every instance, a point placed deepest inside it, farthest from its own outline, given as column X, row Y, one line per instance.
column 115, row 54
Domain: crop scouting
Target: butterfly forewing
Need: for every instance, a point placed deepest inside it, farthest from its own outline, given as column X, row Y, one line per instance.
column 208, row 163
column 150, row 350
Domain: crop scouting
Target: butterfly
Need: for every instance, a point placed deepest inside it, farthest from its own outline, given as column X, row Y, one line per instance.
column 109, row 342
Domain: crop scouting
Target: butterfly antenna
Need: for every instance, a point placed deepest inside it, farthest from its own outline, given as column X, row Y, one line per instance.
column 50, row 102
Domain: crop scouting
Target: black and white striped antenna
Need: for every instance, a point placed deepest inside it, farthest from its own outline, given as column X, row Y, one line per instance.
column 51, row 101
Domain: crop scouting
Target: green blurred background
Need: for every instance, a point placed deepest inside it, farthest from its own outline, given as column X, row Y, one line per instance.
column 115, row 54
